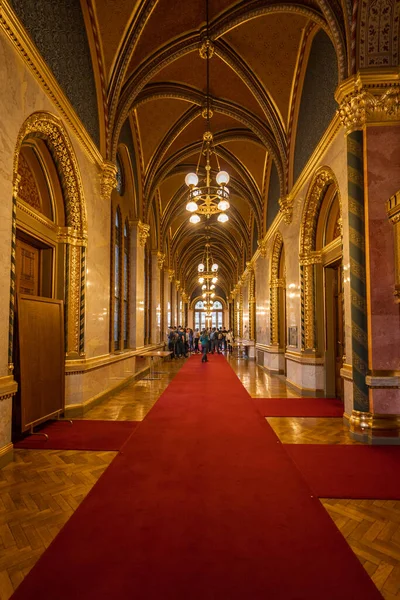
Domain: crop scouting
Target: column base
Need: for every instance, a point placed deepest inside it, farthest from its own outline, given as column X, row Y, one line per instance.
column 373, row 428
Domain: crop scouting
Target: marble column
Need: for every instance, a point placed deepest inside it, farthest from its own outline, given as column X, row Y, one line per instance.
column 139, row 233
column 366, row 109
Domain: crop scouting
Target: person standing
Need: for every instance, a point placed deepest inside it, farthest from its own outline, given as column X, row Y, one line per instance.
column 204, row 339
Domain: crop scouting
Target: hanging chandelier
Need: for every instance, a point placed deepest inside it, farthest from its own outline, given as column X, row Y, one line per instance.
column 208, row 277
column 206, row 197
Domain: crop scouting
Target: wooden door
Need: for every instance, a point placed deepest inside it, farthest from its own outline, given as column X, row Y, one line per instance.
column 27, row 268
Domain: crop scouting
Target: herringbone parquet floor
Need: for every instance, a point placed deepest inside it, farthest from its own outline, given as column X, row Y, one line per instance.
column 39, row 492
column 41, row 489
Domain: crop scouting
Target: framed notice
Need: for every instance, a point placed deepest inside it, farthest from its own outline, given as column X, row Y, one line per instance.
column 292, row 336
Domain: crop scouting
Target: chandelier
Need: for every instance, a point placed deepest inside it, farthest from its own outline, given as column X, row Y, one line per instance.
column 207, row 270
column 206, row 197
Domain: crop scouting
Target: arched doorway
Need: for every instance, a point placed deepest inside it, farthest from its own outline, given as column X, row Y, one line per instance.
column 321, row 258
column 49, row 225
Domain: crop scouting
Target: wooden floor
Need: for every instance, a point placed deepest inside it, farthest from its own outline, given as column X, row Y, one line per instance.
column 42, row 488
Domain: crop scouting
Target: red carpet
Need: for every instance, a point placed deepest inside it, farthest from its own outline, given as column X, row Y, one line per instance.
column 299, row 407
column 82, row 435
column 202, row 503
column 349, row 471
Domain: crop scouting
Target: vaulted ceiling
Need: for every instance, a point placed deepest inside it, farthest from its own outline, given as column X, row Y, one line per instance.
column 148, row 52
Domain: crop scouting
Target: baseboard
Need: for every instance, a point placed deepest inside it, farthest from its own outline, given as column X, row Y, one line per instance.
column 308, row 392
column 6, row 455
column 79, row 410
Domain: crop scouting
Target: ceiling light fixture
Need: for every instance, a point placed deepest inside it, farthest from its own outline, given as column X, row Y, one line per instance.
column 206, row 198
column 207, row 270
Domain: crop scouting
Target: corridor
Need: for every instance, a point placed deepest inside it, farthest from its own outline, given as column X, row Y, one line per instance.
column 42, row 488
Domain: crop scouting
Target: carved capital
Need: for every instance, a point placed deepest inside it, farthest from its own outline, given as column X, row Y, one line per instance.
column 160, row 260
column 362, row 100
column 177, row 284
column 143, row 232
column 108, row 179
column 263, row 247
column 171, row 275
column 286, row 208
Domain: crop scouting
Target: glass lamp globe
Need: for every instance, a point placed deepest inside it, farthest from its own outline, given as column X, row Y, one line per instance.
column 192, row 180
column 203, row 287
column 214, row 267
column 201, row 279
column 222, row 178
column 200, row 268
column 212, row 295
column 212, row 287
column 204, row 295
column 192, row 206
column 223, row 218
column 194, row 219
column 214, row 279
column 222, row 205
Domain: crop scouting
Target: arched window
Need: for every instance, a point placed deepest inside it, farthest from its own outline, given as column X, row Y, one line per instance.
column 126, row 285
column 201, row 320
column 117, row 279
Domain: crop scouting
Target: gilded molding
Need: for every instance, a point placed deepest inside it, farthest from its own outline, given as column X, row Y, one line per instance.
column 286, row 208
column 274, row 288
column 20, row 39
column 373, row 425
column 364, row 100
column 21, row 205
column 171, row 275
column 108, row 179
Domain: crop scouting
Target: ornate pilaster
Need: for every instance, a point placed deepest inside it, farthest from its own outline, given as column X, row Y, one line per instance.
column 393, row 210
column 369, row 98
column 286, row 208
column 108, row 180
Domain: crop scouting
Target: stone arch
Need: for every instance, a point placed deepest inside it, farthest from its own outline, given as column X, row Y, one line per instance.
column 51, row 130
column 309, row 257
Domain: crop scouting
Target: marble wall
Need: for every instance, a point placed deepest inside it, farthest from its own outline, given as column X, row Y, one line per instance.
column 19, row 98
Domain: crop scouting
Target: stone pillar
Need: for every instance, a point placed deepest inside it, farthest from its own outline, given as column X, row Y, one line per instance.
column 139, row 234
column 366, row 109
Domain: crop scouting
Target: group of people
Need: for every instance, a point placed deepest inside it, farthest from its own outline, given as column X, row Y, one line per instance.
column 184, row 340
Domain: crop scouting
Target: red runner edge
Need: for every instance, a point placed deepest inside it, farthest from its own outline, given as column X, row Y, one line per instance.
column 349, row 471
column 81, row 435
column 203, row 502
column 299, row 407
